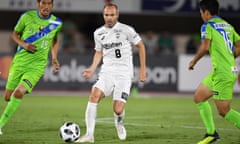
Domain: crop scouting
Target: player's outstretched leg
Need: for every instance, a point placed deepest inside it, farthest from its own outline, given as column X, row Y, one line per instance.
column 210, row 138
column 206, row 115
column 121, row 131
column 11, row 108
column 90, row 119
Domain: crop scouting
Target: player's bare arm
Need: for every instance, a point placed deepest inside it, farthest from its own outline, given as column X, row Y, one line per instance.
column 142, row 59
column 237, row 49
column 27, row 46
column 87, row 73
column 203, row 49
column 56, row 65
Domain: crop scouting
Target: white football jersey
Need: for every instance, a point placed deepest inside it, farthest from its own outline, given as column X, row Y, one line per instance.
column 116, row 45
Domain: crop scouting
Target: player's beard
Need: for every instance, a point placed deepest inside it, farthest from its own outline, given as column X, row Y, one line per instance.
column 110, row 24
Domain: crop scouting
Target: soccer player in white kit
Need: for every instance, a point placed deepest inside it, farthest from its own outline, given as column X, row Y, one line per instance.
column 113, row 44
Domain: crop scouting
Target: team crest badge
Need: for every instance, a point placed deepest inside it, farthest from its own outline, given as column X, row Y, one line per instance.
column 41, row 28
column 51, row 27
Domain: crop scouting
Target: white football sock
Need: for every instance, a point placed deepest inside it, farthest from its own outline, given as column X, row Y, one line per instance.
column 90, row 118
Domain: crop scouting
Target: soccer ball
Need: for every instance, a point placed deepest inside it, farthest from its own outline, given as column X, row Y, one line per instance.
column 69, row 132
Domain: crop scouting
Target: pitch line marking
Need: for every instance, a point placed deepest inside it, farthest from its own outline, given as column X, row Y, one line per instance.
column 110, row 120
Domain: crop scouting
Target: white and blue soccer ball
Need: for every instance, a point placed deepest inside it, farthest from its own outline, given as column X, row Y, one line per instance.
column 69, row 132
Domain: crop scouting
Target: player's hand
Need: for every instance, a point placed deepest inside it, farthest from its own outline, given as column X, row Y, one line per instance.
column 87, row 73
column 30, row 48
column 56, row 65
column 142, row 75
column 191, row 65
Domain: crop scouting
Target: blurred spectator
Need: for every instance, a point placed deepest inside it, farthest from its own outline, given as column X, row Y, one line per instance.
column 180, row 43
column 73, row 40
column 13, row 46
column 150, row 40
column 193, row 43
column 7, row 44
column 166, row 43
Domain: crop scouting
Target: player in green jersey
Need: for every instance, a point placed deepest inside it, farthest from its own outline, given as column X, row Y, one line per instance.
column 36, row 34
column 223, row 43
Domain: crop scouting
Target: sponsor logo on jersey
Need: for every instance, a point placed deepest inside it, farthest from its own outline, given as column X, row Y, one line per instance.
column 103, row 38
column 111, row 45
column 40, row 34
column 117, row 30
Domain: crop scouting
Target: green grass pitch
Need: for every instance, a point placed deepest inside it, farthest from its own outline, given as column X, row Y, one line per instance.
column 162, row 120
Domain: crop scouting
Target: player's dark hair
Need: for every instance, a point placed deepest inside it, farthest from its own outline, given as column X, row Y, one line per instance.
column 211, row 5
column 110, row 5
column 40, row 1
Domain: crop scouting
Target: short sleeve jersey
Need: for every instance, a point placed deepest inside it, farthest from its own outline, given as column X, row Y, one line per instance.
column 41, row 33
column 116, row 45
column 222, row 36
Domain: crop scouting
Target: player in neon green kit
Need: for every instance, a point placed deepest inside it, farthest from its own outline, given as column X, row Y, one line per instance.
column 223, row 44
column 36, row 34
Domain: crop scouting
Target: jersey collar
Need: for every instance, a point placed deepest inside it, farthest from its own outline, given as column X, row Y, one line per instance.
column 112, row 27
column 214, row 17
column 42, row 17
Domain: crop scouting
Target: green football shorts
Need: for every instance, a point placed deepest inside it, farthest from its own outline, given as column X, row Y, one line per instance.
column 221, row 85
column 26, row 77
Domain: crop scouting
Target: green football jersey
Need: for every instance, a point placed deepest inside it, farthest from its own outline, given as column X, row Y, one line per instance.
column 41, row 33
column 222, row 36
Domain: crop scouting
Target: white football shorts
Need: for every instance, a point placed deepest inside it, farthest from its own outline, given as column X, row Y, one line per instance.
column 114, row 84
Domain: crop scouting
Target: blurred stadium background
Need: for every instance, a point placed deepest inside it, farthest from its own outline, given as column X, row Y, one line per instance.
column 170, row 30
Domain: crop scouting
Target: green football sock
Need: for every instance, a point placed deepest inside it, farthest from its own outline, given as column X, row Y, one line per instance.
column 207, row 117
column 9, row 110
column 233, row 117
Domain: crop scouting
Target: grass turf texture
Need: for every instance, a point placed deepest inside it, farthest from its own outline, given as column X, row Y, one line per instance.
column 165, row 120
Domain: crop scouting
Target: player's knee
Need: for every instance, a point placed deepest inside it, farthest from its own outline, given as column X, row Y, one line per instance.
column 96, row 95
column 18, row 93
column 200, row 98
column 94, row 98
column 118, row 107
column 196, row 99
column 7, row 95
column 118, row 110
column 223, row 112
